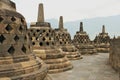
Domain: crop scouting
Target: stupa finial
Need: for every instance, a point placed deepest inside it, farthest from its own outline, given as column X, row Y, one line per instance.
column 81, row 26
column 40, row 13
column 103, row 29
column 61, row 22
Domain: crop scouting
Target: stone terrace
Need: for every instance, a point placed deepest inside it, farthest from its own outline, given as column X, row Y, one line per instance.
column 94, row 67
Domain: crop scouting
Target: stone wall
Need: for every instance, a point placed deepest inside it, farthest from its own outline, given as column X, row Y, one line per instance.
column 114, row 57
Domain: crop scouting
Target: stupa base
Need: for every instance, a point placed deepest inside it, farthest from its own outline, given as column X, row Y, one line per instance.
column 55, row 60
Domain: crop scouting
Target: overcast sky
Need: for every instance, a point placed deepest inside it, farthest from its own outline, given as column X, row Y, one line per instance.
column 70, row 9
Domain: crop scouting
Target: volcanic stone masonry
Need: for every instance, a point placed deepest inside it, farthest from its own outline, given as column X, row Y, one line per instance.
column 63, row 40
column 17, row 62
column 114, row 57
column 82, row 42
column 43, row 41
column 102, row 41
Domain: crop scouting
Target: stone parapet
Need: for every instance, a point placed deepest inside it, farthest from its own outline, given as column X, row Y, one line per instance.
column 114, row 57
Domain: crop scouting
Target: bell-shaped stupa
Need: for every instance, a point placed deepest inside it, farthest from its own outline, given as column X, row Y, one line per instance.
column 63, row 40
column 102, row 41
column 17, row 61
column 43, row 41
column 82, row 42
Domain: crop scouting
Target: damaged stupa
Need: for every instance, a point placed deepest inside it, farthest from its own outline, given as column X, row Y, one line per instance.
column 82, row 42
column 102, row 41
column 43, row 41
column 63, row 40
column 17, row 61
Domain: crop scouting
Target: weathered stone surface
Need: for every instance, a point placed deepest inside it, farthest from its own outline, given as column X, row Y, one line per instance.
column 17, row 62
column 43, row 41
column 82, row 42
column 114, row 57
column 63, row 40
column 102, row 41
column 7, row 4
column 95, row 67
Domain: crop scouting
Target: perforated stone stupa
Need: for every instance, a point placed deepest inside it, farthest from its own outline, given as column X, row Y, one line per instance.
column 43, row 41
column 63, row 40
column 17, row 62
column 102, row 41
column 82, row 42
column 114, row 57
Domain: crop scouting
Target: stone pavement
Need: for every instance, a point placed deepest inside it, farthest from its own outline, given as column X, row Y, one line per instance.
column 91, row 67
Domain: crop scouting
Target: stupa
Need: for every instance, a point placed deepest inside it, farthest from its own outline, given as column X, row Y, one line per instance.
column 43, row 41
column 63, row 40
column 82, row 42
column 114, row 57
column 17, row 61
column 102, row 41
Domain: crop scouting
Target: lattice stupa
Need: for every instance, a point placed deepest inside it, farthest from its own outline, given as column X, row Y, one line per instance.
column 43, row 41
column 82, row 42
column 63, row 40
column 102, row 41
column 17, row 61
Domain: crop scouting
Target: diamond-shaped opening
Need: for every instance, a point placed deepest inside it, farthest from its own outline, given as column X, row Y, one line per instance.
column 43, row 30
column 47, row 43
column 29, row 47
column 38, row 30
column 25, row 37
column 31, row 30
column 13, row 19
column 1, row 19
column 8, row 28
column 52, row 43
column 2, row 38
column 60, row 42
column 36, row 38
column 49, row 38
column 49, row 30
column 24, row 49
column 65, row 42
column 33, row 34
column 16, row 38
column 22, row 20
column 33, row 43
column 47, row 34
column 41, row 44
column 11, row 50
column 43, row 39
column 20, row 28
